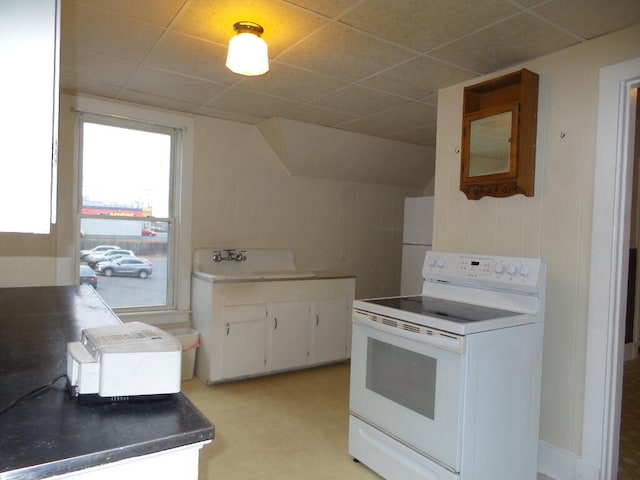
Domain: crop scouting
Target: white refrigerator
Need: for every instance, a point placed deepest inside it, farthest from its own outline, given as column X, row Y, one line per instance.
column 416, row 241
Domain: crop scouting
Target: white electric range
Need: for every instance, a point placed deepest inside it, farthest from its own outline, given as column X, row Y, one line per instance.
column 446, row 385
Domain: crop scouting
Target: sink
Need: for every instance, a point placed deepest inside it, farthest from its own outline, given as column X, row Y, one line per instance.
column 286, row 274
column 261, row 264
column 255, row 277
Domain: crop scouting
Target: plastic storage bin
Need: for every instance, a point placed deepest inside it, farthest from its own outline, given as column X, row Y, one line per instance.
column 190, row 341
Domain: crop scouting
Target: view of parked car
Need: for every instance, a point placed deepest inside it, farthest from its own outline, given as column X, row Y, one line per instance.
column 98, row 249
column 148, row 233
column 88, row 276
column 129, row 266
column 93, row 259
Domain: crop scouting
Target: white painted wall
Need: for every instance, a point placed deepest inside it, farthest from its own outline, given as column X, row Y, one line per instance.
column 555, row 224
column 243, row 197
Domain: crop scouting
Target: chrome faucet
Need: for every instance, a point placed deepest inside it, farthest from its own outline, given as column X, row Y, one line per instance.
column 229, row 255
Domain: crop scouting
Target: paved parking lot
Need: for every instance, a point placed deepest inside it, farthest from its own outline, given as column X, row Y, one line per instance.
column 133, row 291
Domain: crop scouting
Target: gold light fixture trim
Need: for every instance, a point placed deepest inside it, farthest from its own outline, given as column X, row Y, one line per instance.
column 248, row 52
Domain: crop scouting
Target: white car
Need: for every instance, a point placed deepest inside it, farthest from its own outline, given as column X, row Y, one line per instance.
column 94, row 258
column 98, row 249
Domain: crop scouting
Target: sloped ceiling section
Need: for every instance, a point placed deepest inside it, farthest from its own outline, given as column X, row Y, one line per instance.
column 322, row 152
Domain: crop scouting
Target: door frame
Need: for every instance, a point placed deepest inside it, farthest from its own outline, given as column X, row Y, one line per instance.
column 609, row 264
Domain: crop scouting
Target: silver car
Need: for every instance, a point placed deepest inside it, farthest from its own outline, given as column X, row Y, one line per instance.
column 126, row 266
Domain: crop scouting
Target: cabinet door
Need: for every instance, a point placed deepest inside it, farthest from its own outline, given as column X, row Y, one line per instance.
column 243, row 344
column 288, row 335
column 29, row 55
column 330, row 320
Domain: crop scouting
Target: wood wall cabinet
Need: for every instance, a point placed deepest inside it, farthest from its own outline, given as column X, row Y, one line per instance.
column 499, row 136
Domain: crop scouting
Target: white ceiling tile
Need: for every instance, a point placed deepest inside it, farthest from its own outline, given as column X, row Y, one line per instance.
column 528, row 3
column 228, row 115
column 144, row 98
column 97, row 31
column 351, row 64
column 291, row 82
column 419, row 77
column 73, row 85
column 252, row 103
column 395, row 120
column 431, row 99
column 344, row 53
column 330, row 8
column 318, row 115
column 94, row 68
column 407, row 116
column 360, row 100
column 425, row 135
column 175, row 86
column 158, row 12
column 284, row 24
column 518, row 39
column 368, row 126
column 425, row 24
column 192, row 56
column 592, row 18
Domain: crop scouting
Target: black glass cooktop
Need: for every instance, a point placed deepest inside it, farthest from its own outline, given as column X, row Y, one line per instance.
column 444, row 309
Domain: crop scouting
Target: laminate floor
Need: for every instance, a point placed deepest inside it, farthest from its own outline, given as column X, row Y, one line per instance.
column 287, row 426
column 282, row 427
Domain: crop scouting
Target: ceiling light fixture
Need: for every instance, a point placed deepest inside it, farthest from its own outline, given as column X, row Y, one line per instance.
column 248, row 53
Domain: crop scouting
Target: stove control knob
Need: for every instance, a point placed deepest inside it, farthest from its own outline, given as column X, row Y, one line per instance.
column 512, row 269
column 525, row 270
column 499, row 267
column 441, row 262
column 431, row 261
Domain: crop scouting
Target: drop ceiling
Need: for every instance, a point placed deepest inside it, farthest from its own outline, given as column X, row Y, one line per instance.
column 367, row 66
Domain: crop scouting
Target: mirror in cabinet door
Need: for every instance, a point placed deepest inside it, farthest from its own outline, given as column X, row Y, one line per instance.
column 243, row 340
column 499, row 134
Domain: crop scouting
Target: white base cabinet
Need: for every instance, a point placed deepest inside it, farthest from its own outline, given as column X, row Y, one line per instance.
column 256, row 328
column 288, row 336
column 243, row 347
column 327, row 325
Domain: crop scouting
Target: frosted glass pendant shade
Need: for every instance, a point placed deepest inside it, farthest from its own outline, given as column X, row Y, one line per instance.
column 248, row 53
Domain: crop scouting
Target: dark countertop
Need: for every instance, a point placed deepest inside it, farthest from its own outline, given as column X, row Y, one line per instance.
column 50, row 433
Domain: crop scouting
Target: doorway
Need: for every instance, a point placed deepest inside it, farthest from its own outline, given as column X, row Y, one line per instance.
column 632, row 316
column 628, row 468
column 609, row 267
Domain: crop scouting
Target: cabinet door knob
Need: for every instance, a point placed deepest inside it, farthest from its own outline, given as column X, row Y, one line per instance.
column 275, row 323
column 228, row 328
column 317, row 319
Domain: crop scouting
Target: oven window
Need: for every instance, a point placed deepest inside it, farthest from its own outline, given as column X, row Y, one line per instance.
column 402, row 376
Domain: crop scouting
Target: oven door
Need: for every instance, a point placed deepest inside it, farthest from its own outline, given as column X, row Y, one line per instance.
column 406, row 382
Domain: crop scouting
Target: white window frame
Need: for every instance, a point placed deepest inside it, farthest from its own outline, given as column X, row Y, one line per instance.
column 182, row 176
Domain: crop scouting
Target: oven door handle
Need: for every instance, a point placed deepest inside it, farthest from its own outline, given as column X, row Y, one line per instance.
column 427, row 336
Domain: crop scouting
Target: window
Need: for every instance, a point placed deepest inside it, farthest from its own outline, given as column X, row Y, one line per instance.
column 127, row 203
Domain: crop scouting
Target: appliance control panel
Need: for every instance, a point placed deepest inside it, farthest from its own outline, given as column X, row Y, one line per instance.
column 489, row 271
